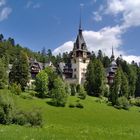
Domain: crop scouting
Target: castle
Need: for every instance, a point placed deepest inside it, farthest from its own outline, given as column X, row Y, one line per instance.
column 80, row 58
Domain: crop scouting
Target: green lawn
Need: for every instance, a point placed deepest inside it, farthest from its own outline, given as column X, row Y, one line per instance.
column 96, row 121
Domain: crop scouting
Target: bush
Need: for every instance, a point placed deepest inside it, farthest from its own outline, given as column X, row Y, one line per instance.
column 26, row 96
column 15, row 88
column 6, row 108
column 73, row 89
column 33, row 118
column 137, row 101
column 122, row 103
column 132, row 101
column 81, row 92
column 71, row 105
column 20, row 118
column 79, row 105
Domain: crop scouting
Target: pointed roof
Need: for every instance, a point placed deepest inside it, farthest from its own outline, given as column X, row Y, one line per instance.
column 80, row 43
column 112, row 56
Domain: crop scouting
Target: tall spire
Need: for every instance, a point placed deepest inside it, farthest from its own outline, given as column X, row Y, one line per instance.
column 112, row 51
column 112, row 56
column 80, row 19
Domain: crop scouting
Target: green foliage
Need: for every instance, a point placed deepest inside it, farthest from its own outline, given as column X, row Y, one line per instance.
column 20, row 71
column 73, row 89
column 124, row 85
column 122, row 103
column 15, row 88
column 51, row 77
column 81, row 92
column 68, row 89
column 79, row 105
column 3, row 75
column 137, row 92
column 71, row 105
column 32, row 118
column 20, row 118
column 115, row 87
column 132, row 77
column 59, row 95
column 96, row 78
column 41, row 84
column 6, row 108
column 137, row 101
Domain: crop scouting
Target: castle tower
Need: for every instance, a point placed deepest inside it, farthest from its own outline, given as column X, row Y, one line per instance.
column 112, row 56
column 112, row 69
column 80, row 57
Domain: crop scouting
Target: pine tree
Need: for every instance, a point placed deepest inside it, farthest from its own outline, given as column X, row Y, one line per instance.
column 20, row 71
column 90, row 75
column 81, row 92
column 51, row 77
column 132, row 78
column 137, row 92
column 115, row 87
column 59, row 95
column 99, row 79
column 96, row 78
column 124, row 85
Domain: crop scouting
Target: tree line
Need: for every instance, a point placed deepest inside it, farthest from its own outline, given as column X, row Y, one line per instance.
column 49, row 82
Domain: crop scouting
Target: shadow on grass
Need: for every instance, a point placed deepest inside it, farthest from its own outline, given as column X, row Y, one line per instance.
column 54, row 104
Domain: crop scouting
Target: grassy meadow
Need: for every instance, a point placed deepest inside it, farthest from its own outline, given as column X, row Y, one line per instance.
column 96, row 121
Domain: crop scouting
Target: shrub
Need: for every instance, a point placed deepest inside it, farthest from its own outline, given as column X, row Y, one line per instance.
column 26, row 96
column 20, row 118
column 137, row 101
column 71, row 105
column 34, row 118
column 73, row 89
column 15, row 88
column 6, row 108
column 81, row 92
column 79, row 105
column 132, row 101
column 122, row 103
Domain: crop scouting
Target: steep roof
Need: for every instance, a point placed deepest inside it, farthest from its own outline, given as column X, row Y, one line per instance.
column 80, row 43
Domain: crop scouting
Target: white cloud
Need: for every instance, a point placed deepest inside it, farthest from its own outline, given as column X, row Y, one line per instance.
column 2, row 2
column 66, row 47
column 4, row 13
column 130, row 10
column 37, row 5
column 31, row 4
column 97, row 16
column 102, row 39
column 4, row 10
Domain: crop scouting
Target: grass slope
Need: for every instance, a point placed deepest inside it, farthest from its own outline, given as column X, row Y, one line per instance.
column 96, row 121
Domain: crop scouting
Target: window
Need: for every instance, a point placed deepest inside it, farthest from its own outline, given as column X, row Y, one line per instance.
column 74, row 69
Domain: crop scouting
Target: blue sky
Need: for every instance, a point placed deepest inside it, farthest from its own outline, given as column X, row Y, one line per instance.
column 54, row 24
